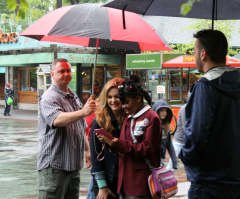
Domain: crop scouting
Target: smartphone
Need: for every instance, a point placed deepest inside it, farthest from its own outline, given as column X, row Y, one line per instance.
column 102, row 131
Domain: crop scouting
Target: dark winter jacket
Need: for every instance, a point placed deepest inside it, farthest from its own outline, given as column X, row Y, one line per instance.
column 211, row 144
column 106, row 169
column 8, row 92
column 166, row 137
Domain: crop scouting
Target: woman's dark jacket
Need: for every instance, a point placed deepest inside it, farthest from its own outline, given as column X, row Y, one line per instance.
column 107, row 168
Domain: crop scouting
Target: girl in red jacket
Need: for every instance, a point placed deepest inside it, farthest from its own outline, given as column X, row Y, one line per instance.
column 139, row 141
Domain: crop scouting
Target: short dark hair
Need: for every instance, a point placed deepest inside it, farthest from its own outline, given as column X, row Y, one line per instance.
column 55, row 61
column 215, row 43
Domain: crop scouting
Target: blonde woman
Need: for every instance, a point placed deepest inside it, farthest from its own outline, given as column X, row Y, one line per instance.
column 109, row 116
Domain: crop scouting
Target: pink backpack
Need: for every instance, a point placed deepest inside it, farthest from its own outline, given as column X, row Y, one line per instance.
column 162, row 183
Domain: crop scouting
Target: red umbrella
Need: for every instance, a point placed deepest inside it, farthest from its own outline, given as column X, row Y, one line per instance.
column 188, row 61
column 82, row 24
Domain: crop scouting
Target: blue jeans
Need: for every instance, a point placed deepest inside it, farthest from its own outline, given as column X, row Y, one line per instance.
column 90, row 194
column 7, row 108
column 177, row 147
column 206, row 190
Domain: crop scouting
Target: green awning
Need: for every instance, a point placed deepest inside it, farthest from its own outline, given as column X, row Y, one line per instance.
column 25, row 59
column 41, row 58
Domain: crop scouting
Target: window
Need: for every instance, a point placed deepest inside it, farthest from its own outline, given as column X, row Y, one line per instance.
column 28, row 79
column 113, row 72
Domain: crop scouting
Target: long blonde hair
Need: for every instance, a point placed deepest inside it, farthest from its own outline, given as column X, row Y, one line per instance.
column 102, row 114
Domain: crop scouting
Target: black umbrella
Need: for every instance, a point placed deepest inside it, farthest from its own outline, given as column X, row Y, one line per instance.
column 203, row 9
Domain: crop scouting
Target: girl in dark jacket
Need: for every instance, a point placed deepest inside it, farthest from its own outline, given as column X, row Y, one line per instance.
column 109, row 116
column 165, row 114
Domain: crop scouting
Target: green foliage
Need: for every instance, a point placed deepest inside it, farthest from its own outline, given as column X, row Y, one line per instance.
column 12, row 5
column 25, row 13
column 186, row 7
column 183, row 48
column 69, row 2
column 233, row 51
column 20, row 7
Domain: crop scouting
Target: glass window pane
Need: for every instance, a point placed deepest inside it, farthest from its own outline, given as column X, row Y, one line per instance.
column 174, row 85
column 33, row 80
column 24, row 80
column 113, row 72
column 99, row 82
column 73, row 82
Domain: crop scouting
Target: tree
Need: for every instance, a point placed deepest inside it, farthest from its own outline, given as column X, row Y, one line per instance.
column 59, row 4
column 16, row 15
column 226, row 27
column 21, row 6
column 13, row 22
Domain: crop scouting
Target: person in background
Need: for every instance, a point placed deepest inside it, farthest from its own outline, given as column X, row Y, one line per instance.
column 139, row 142
column 211, row 144
column 89, row 119
column 109, row 116
column 61, row 136
column 165, row 115
column 8, row 92
column 178, row 139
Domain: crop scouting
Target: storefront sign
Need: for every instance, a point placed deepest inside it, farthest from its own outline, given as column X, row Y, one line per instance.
column 46, row 68
column 8, row 37
column 188, row 58
column 161, row 89
column 143, row 61
column 90, row 58
column 41, row 58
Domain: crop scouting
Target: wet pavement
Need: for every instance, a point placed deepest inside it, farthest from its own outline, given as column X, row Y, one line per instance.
column 18, row 150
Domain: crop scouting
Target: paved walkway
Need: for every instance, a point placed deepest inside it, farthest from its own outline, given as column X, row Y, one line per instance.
column 20, row 114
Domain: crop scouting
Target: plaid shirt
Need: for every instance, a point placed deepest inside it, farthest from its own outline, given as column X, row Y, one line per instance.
column 60, row 147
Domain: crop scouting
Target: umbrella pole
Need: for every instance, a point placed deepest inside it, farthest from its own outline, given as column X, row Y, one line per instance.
column 213, row 13
column 123, row 16
column 94, row 68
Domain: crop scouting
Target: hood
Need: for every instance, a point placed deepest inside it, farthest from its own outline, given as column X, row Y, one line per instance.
column 163, row 104
column 226, row 80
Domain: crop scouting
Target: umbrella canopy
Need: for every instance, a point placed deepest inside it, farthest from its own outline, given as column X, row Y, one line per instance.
column 188, row 61
column 203, row 9
column 82, row 24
